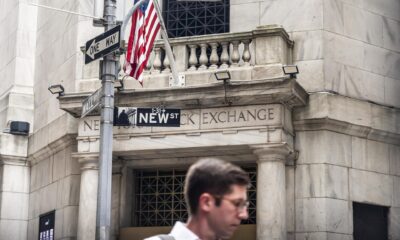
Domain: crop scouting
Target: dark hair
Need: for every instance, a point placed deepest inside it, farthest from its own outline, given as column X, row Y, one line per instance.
column 212, row 176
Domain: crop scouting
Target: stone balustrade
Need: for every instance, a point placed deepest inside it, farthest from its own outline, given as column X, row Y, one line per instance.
column 264, row 45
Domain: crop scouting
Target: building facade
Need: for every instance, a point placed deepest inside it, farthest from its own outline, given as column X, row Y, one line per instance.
column 322, row 149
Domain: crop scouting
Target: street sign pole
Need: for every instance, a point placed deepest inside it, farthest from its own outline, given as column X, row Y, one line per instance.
column 108, row 76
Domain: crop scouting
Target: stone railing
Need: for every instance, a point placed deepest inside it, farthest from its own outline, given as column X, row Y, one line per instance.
column 265, row 45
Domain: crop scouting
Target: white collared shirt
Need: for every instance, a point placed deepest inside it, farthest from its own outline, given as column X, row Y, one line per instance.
column 179, row 232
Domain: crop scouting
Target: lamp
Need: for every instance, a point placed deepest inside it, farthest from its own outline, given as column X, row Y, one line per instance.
column 290, row 70
column 224, row 75
column 57, row 88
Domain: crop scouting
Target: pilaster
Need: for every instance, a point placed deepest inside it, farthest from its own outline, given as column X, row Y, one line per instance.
column 271, row 193
column 88, row 195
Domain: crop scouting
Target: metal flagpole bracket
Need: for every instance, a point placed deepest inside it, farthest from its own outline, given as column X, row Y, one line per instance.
column 179, row 82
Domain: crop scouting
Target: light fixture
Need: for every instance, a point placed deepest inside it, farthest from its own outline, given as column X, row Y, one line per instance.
column 290, row 70
column 57, row 88
column 222, row 75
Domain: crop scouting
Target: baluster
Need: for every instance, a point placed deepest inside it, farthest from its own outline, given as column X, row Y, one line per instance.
column 246, row 52
column 203, row 56
column 157, row 60
column 214, row 56
column 235, row 53
column 224, row 55
column 167, row 68
column 193, row 58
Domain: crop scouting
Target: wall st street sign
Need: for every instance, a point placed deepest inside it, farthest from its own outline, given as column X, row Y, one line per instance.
column 91, row 103
column 103, row 44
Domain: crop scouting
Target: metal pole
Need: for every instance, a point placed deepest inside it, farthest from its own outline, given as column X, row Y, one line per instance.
column 168, row 49
column 108, row 76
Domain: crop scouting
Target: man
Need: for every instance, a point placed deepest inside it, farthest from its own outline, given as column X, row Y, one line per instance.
column 216, row 196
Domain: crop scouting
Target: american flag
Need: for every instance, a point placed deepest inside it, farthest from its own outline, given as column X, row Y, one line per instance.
column 145, row 26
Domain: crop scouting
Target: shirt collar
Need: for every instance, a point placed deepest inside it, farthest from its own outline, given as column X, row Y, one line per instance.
column 180, row 231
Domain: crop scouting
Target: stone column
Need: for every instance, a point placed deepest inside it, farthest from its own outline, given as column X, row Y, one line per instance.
column 271, row 195
column 88, row 196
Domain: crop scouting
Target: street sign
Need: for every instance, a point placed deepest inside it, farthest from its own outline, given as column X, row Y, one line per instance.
column 150, row 117
column 91, row 103
column 103, row 44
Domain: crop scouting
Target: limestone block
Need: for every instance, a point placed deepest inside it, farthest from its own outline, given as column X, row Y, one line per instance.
column 48, row 198
column 68, row 191
column 374, row 85
column 9, row 201
column 243, row 17
column 266, row 71
column 295, row 16
column 71, row 164
column 350, row 110
column 374, row 6
column 392, row 89
column 392, row 61
column 333, row 148
column 33, row 229
column 270, row 50
column 333, row 16
column 394, row 223
column 34, row 205
column 344, row 50
column 374, row 59
column 323, row 214
column 394, row 156
column 13, row 229
column 44, row 172
column 59, row 223
column 321, row 180
column 392, row 9
column 371, row 187
column 290, row 199
column 13, row 145
column 59, row 165
column 370, row 155
column 396, row 191
column 70, row 225
column 311, row 76
column 15, row 178
column 385, row 118
column 308, row 45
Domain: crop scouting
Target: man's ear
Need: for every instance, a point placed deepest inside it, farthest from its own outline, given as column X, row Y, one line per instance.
column 206, row 202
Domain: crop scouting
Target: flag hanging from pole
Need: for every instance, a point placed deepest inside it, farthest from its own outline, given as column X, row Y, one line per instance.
column 145, row 26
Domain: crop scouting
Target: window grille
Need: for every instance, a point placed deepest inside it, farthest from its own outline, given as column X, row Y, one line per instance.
column 159, row 199
column 195, row 18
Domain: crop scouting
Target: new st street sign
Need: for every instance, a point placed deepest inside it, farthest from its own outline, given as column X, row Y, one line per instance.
column 103, row 44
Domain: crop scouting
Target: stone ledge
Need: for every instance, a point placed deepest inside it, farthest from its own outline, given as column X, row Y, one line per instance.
column 347, row 128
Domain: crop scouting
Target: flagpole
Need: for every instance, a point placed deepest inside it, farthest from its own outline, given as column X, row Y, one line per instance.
column 168, row 49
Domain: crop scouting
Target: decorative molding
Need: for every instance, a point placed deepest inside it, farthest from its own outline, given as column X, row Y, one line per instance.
column 88, row 161
column 274, row 152
column 347, row 128
column 13, row 160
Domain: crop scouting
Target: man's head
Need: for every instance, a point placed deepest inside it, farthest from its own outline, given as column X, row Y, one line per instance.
column 218, row 190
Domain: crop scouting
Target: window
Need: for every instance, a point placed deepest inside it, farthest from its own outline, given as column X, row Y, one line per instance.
column 159, row 199
column 195, row 18
column 370, row 222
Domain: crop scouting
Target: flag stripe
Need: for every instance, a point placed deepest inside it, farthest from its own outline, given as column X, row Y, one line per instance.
column 145, row 27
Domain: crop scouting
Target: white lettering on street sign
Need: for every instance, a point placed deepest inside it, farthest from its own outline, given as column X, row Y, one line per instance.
column 91, row 103
column 97, row 47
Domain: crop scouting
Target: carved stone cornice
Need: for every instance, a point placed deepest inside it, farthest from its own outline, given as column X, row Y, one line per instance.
column 347, row 128
column 255, row 92
column 53, row 147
